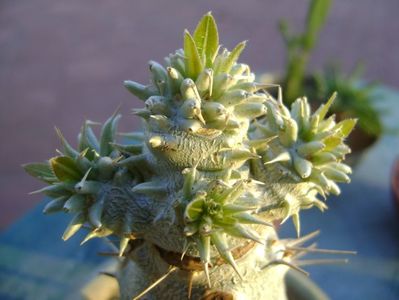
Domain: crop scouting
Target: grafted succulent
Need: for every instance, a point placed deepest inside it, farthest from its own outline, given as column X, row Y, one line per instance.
column 197, row 192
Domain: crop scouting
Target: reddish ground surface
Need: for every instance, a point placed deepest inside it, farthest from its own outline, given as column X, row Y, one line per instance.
column 64, row 61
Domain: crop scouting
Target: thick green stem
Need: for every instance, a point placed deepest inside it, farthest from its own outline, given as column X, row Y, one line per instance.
column 299, row 48
column 295, row 76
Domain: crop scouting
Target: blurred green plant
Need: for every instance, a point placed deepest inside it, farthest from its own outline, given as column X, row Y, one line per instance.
column 355, row 98
column 299, row 47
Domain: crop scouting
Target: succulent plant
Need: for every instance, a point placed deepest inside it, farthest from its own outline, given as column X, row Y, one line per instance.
column 194, row 196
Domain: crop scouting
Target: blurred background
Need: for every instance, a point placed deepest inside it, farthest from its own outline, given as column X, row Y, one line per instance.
column 64, row 61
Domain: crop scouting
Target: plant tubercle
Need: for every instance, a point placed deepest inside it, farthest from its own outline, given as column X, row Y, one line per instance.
column 218, row 162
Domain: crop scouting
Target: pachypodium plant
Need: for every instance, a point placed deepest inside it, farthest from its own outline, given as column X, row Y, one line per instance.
column 194, row 197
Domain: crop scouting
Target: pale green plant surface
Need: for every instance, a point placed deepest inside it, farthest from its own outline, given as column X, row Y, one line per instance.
column 194, row 196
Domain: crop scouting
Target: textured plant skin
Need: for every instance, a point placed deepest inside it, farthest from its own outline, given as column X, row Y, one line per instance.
column 193, row 197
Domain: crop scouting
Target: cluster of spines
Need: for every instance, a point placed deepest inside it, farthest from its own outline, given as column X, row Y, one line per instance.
column 80, row 180
column 214, row 210
column 201, row 88
column 308, row 148
column 311, row 145
column 289, row 252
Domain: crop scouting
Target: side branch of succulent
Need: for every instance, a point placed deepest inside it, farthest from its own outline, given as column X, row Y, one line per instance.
column 194, row 196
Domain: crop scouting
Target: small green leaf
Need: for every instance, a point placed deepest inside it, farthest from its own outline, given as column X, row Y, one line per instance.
column 192, row 59
column 323, row 109
column 232, row 58
column 206, row 39
column 56, row 190
column 346, row 126
column 232, row 194
column 143, row 92
column 65, row 168
column 194, row 209
column 246, row 218
column 331, row 142
column 55, row 205
column 230, row 209
column 76, row 203
column 88, row 142
column 41, row 171
column 108, row 132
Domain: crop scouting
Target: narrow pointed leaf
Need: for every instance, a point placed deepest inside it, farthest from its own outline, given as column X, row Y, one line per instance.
column 246, row 218
column 206, row 39
column 140, row 91
column 192, row 59
column 56, row 190
column 232, row 58
column 91, row 137
column 346, row 126
column 75, row 203
column 244, row 232
column 65, row 168
column 194, row 209
column 55, row 205
column 233, row 193
column 108, row 135
column 323, row 110
column 41, row 171
column 230, row 209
